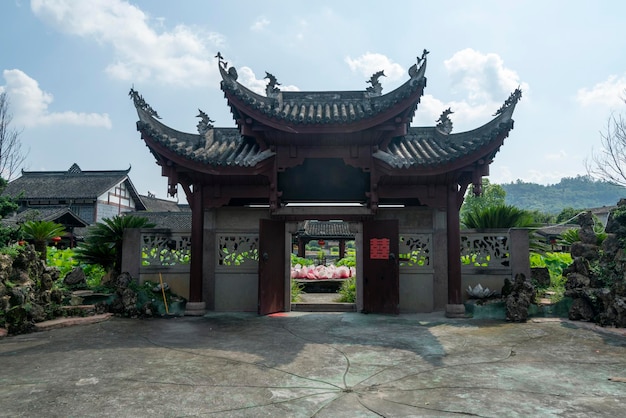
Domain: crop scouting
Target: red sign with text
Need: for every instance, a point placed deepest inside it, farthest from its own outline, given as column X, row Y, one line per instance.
column 379, row 248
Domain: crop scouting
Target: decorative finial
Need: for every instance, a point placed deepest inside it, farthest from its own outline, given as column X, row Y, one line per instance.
column 420, row 61
column 376, row 88
column 511, row 101
column 220, row 59
column 141, row 103
column 232, row 72
column 271, row 90
column 444, row 123
column 205, row 124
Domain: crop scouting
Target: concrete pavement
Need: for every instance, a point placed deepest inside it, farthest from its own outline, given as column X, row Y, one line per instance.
column 315, row 364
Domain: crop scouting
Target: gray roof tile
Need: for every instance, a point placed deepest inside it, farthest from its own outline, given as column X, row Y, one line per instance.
column 326, row 229
column 217, row 147
column 71, row 184
column 428, row 146
column 331, row 107
column 171, row 220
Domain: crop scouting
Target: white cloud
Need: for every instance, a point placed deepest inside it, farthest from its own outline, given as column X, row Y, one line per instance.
column 609, row 93
column 503, row 174
column 247, row 78
column 556, row 156
column 370, row 63
column 260, row 24
column 482, row 77
column 465, row 115
column 29, row 105
column 181, row 56
column 482, row 83
column 481, row 80
column 545, row 176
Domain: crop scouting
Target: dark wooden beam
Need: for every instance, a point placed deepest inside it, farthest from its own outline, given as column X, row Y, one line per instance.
column 454, row 247
column 197, row 233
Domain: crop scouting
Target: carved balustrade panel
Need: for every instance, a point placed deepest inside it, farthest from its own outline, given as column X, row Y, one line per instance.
column 238, row 250
column 415, row 250
column 165, row 248
column 485, row 249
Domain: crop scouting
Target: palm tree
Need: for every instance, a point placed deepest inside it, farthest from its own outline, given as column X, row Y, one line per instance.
column 504, row 217
column 40, row 232
column 497, row 216
column 103, row 244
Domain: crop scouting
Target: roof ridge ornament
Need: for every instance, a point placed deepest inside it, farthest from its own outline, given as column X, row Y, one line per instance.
column 444, row 123
column 141, row 103
column 376, row 88
column 510, row 102
column 74, row 169
column 421, row 61
column 271, row 90
column 232, row 72
column 205, row 124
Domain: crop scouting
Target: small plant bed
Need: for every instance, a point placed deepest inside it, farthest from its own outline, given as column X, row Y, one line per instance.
column 337, row 279
column 33, row 292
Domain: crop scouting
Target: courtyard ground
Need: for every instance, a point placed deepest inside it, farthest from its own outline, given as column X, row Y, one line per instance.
column 315, row 364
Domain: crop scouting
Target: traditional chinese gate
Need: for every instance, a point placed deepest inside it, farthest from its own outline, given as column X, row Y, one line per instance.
column 362, row 140
column 272, row 275
column 381, row 290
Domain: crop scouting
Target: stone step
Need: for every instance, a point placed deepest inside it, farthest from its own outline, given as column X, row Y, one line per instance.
column 85, row 308
column 323, row 307
column 70, row 321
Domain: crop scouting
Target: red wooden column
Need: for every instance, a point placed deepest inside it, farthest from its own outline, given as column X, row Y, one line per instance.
column 455, row 307
column 196, row 306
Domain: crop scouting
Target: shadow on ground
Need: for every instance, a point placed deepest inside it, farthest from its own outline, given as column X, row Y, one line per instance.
column 305, row 364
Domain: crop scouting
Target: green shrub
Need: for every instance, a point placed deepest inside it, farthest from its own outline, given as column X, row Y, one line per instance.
column 300, row 260
column 62, row 259
column 296, row 291
column 498, row 216
column 103, row 244
column 65, row 261
column 347, row 291
column 570, row 236
column 349, row 261
column 40, row 232
column 555, row 262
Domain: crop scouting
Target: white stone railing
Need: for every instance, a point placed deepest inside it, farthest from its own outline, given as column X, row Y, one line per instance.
column 487, row 251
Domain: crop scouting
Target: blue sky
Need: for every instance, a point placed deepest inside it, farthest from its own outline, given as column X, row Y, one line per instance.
column 67, row 66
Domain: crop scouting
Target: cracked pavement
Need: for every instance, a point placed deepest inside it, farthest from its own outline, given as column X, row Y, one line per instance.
column 315, row 365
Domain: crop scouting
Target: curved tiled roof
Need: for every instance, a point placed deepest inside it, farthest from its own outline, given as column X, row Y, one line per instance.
column 172, row 220
column 326, row 229
column 217, row 147
column 331, row 107
column 60, row 214
column 429, row 146
column 71, row 184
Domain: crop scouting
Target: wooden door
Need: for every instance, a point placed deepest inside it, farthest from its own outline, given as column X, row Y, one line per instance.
column 381, row 278
column 271, row 266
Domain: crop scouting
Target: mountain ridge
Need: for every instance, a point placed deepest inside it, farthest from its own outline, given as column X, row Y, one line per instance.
column 580, row 192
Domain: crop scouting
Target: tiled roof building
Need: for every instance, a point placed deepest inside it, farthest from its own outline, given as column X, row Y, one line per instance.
column 291, row 149
column 90, row 195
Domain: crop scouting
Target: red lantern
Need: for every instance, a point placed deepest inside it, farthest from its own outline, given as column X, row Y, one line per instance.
column 321, row 242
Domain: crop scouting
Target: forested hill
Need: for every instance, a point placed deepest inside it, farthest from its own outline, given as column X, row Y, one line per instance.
column 581, row 192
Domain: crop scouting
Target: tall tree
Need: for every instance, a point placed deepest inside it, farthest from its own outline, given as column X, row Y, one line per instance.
column 610, row 162
column 11, row 155
column 492, row 195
